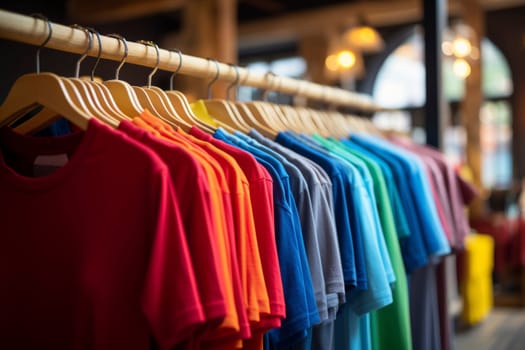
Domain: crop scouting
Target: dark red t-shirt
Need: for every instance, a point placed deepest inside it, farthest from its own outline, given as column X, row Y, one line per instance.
column 93, row 255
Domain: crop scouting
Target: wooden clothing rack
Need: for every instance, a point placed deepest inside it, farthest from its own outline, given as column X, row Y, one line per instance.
column 34, row 31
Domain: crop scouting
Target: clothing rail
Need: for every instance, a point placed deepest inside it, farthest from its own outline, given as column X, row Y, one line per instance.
column 34, row 31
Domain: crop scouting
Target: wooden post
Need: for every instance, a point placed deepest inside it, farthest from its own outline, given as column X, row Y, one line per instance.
column 210, row 30
column 314, row 48
column 471, row 105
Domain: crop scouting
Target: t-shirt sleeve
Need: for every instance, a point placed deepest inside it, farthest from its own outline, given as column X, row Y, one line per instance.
column 170, row 298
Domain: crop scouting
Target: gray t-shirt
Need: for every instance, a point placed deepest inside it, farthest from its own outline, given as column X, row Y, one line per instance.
column 321, row 337
column 301, row 194
column 320, row 189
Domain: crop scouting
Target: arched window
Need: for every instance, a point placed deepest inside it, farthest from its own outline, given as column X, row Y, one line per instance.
column 400, row 83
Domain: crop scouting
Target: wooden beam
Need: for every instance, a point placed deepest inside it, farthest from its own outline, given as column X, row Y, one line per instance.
column 327, row 18
column 293, row 26
column 89, row 11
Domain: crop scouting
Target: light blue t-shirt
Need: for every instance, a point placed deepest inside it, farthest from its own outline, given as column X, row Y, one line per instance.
column 434, row 238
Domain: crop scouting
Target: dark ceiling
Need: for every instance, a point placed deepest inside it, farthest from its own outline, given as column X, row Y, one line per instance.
column 246, row 10
column 256, row 9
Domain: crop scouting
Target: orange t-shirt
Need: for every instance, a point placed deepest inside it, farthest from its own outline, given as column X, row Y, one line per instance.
column 230, row 328
column 257, row 293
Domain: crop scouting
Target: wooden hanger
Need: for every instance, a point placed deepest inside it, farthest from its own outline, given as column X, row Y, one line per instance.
column 181, row 105
column 250, row 119
column 100, row 91
column 221, row 109
column 292, row 117
column 47, row 90
column 243, row 113
column 151, row 98
column 121, row 92
column 88, row 91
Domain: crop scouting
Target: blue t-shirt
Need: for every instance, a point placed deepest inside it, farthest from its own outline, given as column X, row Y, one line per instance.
column 297, row 284
column 400, row 217
column 412, row 247
column 434, row 239
column 344, row 233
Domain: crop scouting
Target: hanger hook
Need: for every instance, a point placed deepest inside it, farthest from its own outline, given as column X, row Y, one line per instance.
column 123, row 60
column 88, row 48
column 270, row 83
column 214, row 78
column 99, row 40
column 178, row 68
column 235, row 82
column 151, row 43
column 298, row 91
column 278, row 84
column 46, row 40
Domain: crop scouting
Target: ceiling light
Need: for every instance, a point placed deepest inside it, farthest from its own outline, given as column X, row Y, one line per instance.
column 365, row 39
column 346, row 59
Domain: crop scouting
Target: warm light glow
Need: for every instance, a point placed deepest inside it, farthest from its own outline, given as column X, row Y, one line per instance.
column 461, row 47
column 474, row 54
column 461, row 68
column 331, row 63
column 364, row 38
column 346, row 59
column 447, row 48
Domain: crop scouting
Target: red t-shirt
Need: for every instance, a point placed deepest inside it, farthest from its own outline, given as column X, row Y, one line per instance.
column 93, row 254
column 192, row 188
column 261, row 196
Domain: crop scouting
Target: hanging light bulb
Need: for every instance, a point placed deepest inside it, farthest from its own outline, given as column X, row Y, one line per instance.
column 461, row 68
column 461, row 47
column 331, row 63
column 346, row 59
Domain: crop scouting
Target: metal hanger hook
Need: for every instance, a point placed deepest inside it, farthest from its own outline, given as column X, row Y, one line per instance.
column 99, row 40
column 235, row 83
column 300, row 88
column 278, row 84
column 85, row 53
column 123, row 60
column 214, row 78
column 178, row 68
column 151, row 43
column 270, row 83
column 46, row 40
